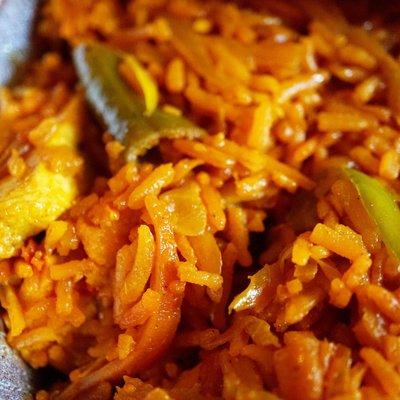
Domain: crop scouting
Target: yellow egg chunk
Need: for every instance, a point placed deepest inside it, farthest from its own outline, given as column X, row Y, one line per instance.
column 28, row 203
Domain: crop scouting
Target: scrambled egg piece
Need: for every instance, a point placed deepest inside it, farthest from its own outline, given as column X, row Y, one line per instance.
column 48, row 184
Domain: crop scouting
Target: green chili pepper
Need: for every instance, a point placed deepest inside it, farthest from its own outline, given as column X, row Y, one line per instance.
column 381, row 205
column 121, row 109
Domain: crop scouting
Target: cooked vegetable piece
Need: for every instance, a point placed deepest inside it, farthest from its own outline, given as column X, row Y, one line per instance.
column 120, row 108
column 17, row 19
column 28, row 203
column 147, row 84
column 381, row 206
column 191, row 214
column 262, row 285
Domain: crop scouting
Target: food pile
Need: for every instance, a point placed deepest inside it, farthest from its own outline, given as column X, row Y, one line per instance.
column 199, row 200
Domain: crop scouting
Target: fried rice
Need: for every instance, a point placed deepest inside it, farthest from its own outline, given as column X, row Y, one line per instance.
column 235, row 266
